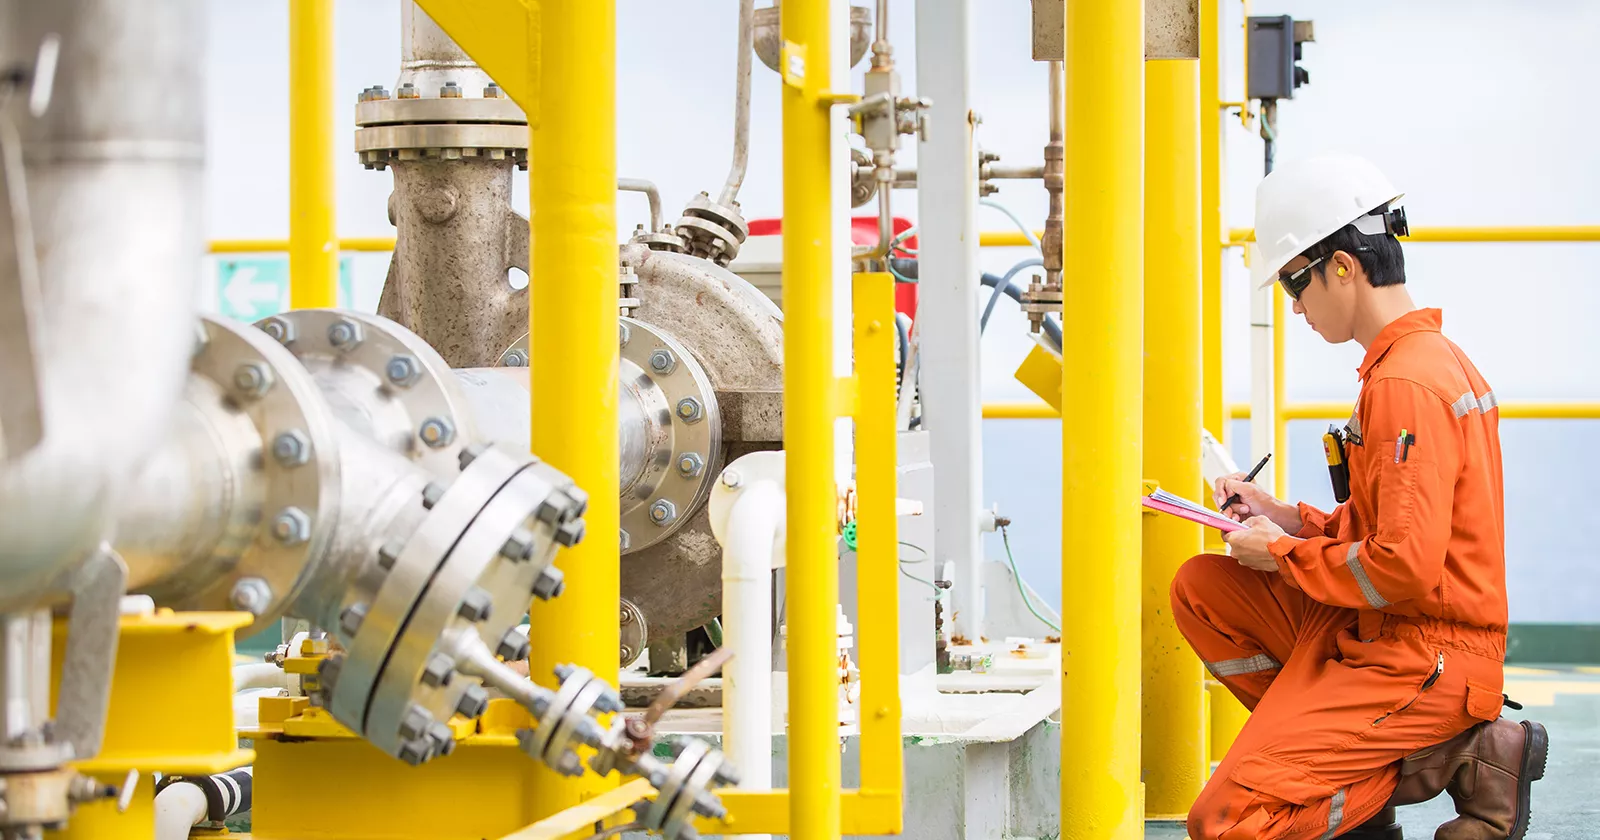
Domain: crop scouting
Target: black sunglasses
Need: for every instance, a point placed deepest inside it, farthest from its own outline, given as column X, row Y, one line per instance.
column 1297, row 282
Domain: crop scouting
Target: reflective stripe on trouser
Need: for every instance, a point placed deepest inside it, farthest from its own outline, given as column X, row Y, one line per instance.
column 1321, row 749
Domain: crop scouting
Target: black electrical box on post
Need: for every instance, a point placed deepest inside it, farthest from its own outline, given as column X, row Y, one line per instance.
column 1274, row 50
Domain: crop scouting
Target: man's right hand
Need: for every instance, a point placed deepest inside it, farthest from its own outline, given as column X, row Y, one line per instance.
column 1254, row 501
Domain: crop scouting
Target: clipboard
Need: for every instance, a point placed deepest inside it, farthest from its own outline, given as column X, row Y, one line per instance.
column 1182, row 508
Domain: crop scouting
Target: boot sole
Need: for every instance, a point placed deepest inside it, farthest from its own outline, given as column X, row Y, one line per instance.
column 1535, row 751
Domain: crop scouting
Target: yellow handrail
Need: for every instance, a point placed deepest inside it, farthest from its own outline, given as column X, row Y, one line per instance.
column 313, row 262
column 1501, row 233
column 274, row 246
column 1577, row 410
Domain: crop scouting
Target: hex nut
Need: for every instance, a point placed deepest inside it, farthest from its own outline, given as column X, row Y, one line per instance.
column 691, row 465
column 291, row 526
column 549, row 583
column 291, row 448
column 731, row 478
column 663, row 362
column 352, row 616
column 492, row 91
column 514, row 358
column 251, row 594
column 415, row 723
column 431, row 494
column 623, row 334
column 438, row 671
column 437, row 432
column 663, row 512
column 328, row 672
column 252, row 379
column 403, row 370
column 514, row 647
column 690, row 410
column 389, row 552
column 345, row 334
column 443, row 738
column 450, row 90
column 473, row 702
column 280, row 329
column 469, row 454
column 569, row 534
column 407, row 91
column 518, row 546
column 475, row 605
column 415, row 752
column 569, row 765
column 565, row 670
column 608, row 703
column 726, row 774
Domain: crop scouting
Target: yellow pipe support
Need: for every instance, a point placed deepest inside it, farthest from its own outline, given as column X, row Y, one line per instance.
column 810, row 407
column 878, row 546
column 1174, row 745
column 313, row 255
column 504, row 37
column 1493, row 233
column 1280, row 425
column 278, row 246
column 572, row 325
column 1103, row 378
column 1211, row 252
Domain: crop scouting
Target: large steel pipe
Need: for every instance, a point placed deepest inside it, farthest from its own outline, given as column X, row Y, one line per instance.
column 113, row 171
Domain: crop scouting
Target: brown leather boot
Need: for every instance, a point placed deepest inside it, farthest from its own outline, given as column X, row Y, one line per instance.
column 1488, row 770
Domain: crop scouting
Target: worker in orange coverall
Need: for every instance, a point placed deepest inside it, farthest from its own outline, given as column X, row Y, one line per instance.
column 1369, row 642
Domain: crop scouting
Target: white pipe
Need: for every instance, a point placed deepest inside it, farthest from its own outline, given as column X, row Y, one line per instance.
column 178, row 808
column 750, row 550
column 258, row 675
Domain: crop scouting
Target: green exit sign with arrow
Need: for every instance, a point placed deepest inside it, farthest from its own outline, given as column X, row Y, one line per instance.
column 252, row 288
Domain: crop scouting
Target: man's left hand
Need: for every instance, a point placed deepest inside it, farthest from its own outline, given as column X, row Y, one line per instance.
column 1250, row 545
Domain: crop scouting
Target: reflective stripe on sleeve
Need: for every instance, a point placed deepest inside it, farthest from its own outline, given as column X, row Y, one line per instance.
column 1487, row 402
column 1245, row 665
column 1368, row 591
column 1464, row 405
column 1335, row 815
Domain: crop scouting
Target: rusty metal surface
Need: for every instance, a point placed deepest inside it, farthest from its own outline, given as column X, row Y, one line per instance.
column 456, row 238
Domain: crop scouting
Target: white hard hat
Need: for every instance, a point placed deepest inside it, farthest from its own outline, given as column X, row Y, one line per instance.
column 1303, row 202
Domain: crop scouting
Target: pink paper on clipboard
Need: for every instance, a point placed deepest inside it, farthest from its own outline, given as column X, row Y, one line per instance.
column 1178, row 506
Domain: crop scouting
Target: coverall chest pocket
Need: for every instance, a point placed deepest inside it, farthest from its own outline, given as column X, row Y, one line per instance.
column 1398, row 485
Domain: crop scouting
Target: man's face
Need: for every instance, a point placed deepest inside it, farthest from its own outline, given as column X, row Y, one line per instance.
column 1325, row 298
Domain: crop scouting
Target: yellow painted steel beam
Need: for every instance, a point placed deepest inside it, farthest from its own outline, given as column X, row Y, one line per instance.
column 1173, row 736
column 1497, row 233
column 572, row 326
column 1516, row 410
column 506, row 40
column 278, row 246
column 878, row 541
column 1102, row 377
column 1020, row 411
column 810, row 406
column 1490, row 233
column 1280, row 424
column 313, row 253
column 579, row 817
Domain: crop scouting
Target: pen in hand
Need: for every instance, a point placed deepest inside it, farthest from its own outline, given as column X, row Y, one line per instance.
column 1248, row 478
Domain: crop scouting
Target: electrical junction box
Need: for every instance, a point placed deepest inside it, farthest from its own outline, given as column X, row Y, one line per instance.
column 1274, row 49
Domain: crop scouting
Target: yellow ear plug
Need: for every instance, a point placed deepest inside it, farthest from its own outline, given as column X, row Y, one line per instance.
column 1341, row 271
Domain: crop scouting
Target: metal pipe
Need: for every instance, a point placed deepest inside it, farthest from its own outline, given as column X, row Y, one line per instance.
column 114, row 191
column 1055, row 178
column 1172, row 739
column 754, row 523
column 741, row 104
column 882, row 52
column 1261, row 391
column 20, row 674
column 651, row 195
column 1280, row 425
column 313, row 249
column 1102, row 330
column 810, row 406
column 572, row 322
column 1017, row 172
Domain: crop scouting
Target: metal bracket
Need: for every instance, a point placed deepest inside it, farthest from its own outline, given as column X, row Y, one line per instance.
column 92, row 629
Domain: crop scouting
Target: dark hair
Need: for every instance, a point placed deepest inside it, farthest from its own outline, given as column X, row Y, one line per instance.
column 1379, row 254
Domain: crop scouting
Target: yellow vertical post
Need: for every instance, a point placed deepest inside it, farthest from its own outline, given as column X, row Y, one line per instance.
column 1280, row 425
column 1174, row 745
column 1227, row 714
column 572, row 325
column 313, row 241
column 878, row 546
column 809, row 410
column 1103, row 379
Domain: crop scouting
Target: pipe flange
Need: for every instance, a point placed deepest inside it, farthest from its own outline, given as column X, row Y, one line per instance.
column 438, row 110
column 568, row 721
column 712, row 230
column 300, row 494
column 483, row 588
column 687, row 789
column 661, row 240
column 727, row 216
column 635, row 633
column 667, row 378
column 451, row 512
column 439, row 127
column 403, row 392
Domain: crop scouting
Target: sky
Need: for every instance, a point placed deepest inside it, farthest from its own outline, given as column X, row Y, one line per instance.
column 1480, row 111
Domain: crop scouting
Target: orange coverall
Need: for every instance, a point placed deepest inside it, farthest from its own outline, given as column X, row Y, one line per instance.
column 1383, row 630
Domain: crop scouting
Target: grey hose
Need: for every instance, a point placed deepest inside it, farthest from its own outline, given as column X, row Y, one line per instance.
column 1004, row 286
